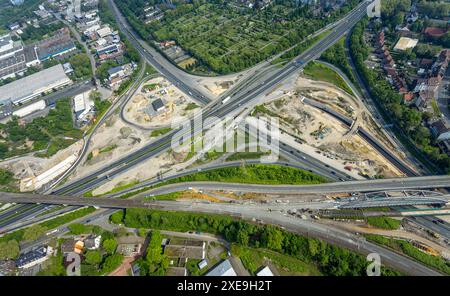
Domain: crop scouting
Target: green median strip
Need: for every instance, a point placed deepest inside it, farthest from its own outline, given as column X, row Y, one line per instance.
column 268, row 174
column 322, row 72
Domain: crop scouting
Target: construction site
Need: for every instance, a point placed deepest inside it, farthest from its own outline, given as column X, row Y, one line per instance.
column 322, row 136
column 157, row 103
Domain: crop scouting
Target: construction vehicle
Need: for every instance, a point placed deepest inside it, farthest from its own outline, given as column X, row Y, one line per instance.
column 425, row 248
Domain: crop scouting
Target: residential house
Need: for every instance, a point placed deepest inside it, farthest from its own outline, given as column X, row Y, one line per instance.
column 93, row 242
column 119, row 74
column 438, row 128
column 34, row 257
column 79, row 247
column 441, row 131
column 408, row 98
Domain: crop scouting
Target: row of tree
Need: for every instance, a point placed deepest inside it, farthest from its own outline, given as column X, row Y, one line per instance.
column 332, row 260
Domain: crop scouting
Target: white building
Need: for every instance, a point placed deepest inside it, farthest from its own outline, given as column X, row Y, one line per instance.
column 265, row 272
column 31, row 108
column 82, row 105
column 103, row 32
column 14, row 57
column 8, row 47
column 202, row 264
column 33, row 86
column 33, row 183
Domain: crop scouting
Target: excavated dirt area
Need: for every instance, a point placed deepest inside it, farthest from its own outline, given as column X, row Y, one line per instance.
column 329, row 138
column 31, row 166
column 177, row 105
column 218, row 87
column 115, row 139
column 346, row 104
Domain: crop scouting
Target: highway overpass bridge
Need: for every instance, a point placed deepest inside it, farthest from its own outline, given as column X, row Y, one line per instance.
column 113, row 203
column 395, row 202
column 411, row 183
column 374, row 199
column 398, row 198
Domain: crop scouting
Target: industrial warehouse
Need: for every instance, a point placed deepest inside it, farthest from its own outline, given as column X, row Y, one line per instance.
column 33, row 86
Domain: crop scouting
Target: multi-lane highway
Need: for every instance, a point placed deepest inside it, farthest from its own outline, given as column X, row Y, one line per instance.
column 181, row 79
column 217, row 109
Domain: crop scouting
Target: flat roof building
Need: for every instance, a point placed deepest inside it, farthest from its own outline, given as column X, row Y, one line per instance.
column 82, row 105
column 103, row 32
column 59, row 44
column 33, row 86
column 184, row 248
column 223, row 269
column 158, row 105
column 265, row 272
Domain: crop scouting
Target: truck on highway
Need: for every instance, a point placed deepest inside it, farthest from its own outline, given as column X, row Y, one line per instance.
column 51, row 232
column 226, row 99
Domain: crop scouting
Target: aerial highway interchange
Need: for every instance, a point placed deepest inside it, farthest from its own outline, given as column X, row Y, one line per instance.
column 70, row 193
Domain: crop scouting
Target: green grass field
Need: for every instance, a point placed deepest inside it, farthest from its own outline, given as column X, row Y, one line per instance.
column 160, row 132
column 254, row 174
column 321, row 72
column 384, row 222
column 251, row 174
